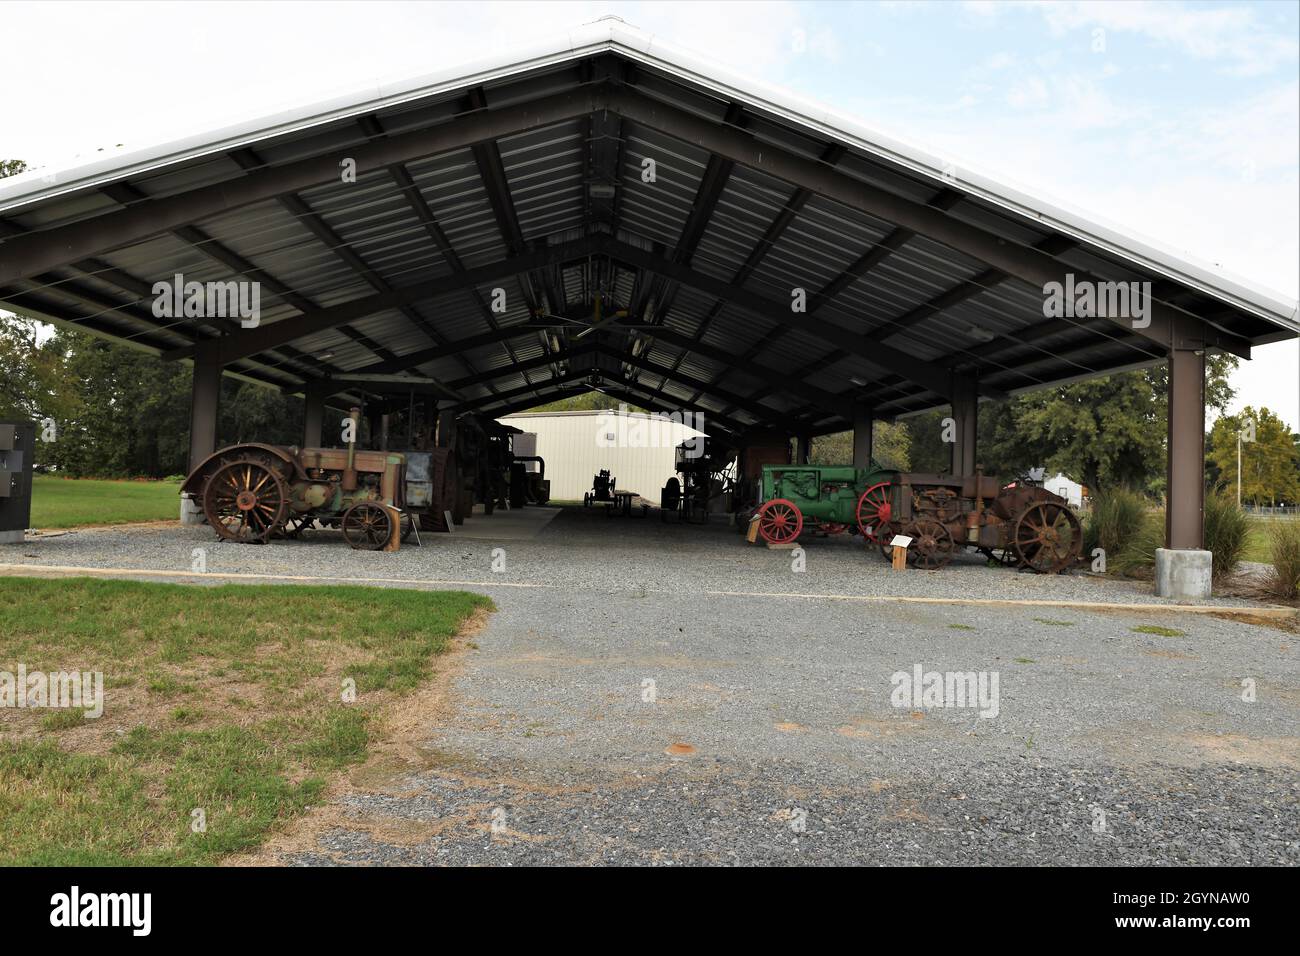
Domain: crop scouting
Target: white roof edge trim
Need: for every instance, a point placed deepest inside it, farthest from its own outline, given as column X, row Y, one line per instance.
column 612, row 35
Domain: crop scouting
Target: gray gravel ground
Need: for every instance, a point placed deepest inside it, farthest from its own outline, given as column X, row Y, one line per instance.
column 785, row 704
column 772, row 737
column 580, row 550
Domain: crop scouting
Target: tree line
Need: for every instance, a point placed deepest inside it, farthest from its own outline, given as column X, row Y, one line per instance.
column 105, row 410
column 1105, row 433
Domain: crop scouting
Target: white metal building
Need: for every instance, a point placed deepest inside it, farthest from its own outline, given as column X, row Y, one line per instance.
column 1070, row 490
column 637, row 449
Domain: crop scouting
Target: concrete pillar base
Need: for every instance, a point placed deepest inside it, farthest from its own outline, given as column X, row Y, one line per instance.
column 191, row 510
column 12, row 537
column 1183, row 575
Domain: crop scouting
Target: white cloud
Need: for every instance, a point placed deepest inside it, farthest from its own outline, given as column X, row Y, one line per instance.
column 1227, row 33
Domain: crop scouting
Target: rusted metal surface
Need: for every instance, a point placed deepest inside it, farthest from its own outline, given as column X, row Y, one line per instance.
column 1020, row 525
column 252, row 493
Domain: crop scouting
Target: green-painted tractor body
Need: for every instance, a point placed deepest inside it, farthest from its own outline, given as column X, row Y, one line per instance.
column 820, row 498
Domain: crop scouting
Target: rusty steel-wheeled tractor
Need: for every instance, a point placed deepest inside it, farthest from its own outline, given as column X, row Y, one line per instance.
column 251, row 493
column 1021, row 525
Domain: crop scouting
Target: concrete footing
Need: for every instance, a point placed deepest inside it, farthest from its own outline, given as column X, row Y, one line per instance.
column 12, row 537
column 191, row 510
column 1184, row 575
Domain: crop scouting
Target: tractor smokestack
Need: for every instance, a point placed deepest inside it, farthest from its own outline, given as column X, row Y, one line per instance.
column 350, row 472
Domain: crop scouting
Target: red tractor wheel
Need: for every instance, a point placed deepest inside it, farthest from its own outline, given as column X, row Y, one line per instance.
column 874, row 510
column 779, row 521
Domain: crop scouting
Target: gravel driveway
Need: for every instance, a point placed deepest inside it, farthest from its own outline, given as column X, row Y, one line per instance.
column 772, row 739
column 627, row 706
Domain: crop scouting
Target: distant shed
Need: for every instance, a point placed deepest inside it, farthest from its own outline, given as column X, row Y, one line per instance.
column 638, row 451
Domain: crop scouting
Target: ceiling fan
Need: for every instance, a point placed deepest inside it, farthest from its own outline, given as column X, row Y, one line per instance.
column 599, row 319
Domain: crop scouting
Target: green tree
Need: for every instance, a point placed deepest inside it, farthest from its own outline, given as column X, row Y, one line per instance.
column 1105, row 432
column 33, row 380
column 1270, row 465
column 585, row 402
column 133, row 410
column 254, row 413
column 889, row 447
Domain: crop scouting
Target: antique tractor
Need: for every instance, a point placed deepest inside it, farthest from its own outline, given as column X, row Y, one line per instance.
column 252, row 492
column 602, row 489
column 826, row 500
column 1019, row 525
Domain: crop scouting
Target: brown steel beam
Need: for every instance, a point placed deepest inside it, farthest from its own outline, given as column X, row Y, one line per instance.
column 37, row 252
column 878, row 354
column 263, row 338
column 1024, row 262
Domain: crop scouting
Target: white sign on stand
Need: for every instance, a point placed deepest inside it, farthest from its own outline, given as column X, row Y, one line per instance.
column 900, row 543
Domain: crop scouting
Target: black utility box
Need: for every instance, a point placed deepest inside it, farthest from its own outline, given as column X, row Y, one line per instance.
column 17, row 448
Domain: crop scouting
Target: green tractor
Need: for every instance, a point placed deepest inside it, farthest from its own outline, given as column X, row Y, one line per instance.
column 824, row 500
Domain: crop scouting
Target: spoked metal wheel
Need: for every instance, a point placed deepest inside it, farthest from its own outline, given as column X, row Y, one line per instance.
column 246, row 500
column 367, row 526
column 1048, row 537
column 779, row 521
column 873, row 511
column 932, row 545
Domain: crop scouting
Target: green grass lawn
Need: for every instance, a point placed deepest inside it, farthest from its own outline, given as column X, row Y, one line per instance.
column 227, row 700
column 69, row 502
column 1257, row 542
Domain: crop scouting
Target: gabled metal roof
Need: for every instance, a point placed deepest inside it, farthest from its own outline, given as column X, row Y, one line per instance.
column 527, row 174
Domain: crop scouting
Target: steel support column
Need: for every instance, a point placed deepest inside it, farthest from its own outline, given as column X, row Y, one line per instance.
column 447, row 428
column 965, row 413
column 313, row 417
column 204, row 401
column 863, row 419
column 803, row 449
column 1185, row 513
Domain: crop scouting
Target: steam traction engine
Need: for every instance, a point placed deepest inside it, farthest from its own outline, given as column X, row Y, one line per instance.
column 1020, row 525
column 826, row 500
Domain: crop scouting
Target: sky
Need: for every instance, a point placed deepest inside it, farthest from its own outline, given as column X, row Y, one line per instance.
column 1179, row 122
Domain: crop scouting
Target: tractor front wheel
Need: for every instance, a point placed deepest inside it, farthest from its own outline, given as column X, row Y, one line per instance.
column 874, row 511
column 367, row 526
column 779, row 521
